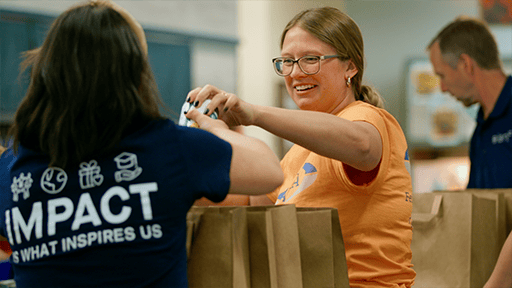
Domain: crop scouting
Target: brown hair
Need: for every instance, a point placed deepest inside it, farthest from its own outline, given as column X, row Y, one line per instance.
column 337, row 29
column 469, row 36
column 90, row 85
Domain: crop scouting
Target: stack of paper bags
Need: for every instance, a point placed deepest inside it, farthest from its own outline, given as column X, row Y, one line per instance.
column 269, row 246
column 457, row 236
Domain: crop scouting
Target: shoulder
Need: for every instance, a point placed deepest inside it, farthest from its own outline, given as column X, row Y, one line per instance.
column 378, row 117
column 7, row 158
column 362, row 111
column 166, row 135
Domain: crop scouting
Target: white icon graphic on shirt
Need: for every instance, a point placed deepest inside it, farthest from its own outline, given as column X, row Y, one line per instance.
column 89, row 174
column 53, row 180
column 21, row 185
column 128, row 166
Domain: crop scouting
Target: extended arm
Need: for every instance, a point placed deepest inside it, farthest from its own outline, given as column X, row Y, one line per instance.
column 3, row 256
column 355, row 143
column 255, row 169
column 502, row 274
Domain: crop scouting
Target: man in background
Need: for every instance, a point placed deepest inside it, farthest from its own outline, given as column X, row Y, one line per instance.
column 465, row 56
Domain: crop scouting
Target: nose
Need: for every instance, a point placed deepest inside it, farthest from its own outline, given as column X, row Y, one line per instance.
column 296, row 71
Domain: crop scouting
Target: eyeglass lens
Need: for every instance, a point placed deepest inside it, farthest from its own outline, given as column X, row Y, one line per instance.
column 308, row 65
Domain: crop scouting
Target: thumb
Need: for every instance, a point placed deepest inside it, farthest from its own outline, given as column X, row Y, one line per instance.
column 198, row 117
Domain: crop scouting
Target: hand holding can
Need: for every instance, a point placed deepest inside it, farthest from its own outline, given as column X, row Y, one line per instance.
column 184, row 121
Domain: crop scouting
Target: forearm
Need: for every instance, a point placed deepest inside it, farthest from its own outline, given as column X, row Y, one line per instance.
column 260, row 200
column 325, row 134
column 255, row 169
column 502, row 274
column 3, row 256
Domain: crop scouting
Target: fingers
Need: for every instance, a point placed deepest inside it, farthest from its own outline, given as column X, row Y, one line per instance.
column 219, row 99
column 198, row 95
column 219, row 102
column 231, row 101
column 196, row 116
column 204, row 122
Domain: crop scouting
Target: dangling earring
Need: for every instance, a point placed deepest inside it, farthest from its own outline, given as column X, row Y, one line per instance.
column 348, row 82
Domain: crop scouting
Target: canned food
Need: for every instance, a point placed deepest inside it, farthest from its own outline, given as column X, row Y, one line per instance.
column 184, row 121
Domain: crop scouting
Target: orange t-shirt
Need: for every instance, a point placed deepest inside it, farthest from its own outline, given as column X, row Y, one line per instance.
column 375, row 217
column 4, row 246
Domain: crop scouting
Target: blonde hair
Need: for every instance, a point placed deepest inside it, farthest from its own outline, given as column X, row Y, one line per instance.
column 337, row 29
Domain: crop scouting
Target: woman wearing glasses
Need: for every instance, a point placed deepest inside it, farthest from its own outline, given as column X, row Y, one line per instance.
column 350, row 153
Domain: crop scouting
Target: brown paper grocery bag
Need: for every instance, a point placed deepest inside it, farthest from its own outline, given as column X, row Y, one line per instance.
column 219, row 253
column 507, row 195
column 262, row 254
column 273, row 239
column 498, row 196
column 454, row 239
column 508, row 209
column 193, row 218
column 287, row 247
column 322, row 249
column 285, row 261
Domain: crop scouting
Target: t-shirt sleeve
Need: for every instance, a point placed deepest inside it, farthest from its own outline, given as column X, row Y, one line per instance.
column 373, row 116
column 366, row 114
column 208, row 163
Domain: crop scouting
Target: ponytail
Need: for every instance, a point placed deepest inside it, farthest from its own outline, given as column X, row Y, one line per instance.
column 371, row 96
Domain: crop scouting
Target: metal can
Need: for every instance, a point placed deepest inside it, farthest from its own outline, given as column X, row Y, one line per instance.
column 184, row 121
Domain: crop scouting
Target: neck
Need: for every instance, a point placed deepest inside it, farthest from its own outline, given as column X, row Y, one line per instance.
column 344, row 103
column 489, row 85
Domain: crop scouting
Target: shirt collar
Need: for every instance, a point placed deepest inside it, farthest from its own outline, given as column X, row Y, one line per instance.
column 502, row 104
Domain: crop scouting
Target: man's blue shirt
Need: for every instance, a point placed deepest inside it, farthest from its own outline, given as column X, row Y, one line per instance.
column 491, row 145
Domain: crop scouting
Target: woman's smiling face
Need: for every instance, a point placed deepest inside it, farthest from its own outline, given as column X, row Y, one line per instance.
column 325, row 91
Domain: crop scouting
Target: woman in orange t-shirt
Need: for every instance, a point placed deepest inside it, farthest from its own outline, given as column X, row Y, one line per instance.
column 350, row 153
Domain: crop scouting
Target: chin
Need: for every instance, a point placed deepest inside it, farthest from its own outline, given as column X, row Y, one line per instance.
column 303, row 105
column 467, row 102
column 307, row 103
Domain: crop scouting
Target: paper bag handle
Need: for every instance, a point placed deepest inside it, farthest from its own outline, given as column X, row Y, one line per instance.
column 427, row 217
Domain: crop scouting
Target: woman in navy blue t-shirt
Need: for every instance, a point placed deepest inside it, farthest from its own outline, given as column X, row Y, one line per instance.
column 96, row 188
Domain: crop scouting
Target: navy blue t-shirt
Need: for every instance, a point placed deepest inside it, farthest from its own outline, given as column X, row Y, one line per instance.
column 119, row 221
column 491, row 145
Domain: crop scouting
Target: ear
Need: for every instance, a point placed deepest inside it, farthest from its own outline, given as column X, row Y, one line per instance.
column 351, row 69
column 467, row 64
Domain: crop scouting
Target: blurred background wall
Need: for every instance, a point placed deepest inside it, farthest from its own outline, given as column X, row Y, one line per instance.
column 230, row 44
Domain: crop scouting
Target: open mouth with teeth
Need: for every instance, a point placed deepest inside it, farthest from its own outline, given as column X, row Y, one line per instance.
column 304, row 87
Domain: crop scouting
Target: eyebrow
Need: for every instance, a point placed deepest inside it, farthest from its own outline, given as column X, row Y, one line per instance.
column 308, row 53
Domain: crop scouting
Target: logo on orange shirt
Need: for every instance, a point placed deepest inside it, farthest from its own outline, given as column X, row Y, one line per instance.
column 305, row 178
